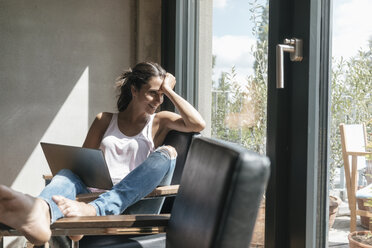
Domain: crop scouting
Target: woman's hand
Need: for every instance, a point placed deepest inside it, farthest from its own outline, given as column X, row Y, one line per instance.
column 188, row 119
column 168, row 83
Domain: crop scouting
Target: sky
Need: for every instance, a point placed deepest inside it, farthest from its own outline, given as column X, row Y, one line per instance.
column 233, row 39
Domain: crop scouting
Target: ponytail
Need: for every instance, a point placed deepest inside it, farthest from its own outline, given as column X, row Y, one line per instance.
column 123, row 86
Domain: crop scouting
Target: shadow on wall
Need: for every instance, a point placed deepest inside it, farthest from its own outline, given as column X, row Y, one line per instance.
column 49, row 50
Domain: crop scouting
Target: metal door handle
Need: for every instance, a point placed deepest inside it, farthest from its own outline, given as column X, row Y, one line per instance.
column 294, row 47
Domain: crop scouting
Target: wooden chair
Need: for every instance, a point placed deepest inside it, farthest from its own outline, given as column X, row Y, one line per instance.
column 354, row 141
column 216, row 206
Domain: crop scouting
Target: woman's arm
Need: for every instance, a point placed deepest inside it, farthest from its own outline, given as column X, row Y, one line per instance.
column 189, row 119
column 97, row 130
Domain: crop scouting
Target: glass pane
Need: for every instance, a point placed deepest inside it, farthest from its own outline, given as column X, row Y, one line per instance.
column 239, row 80
column 350, row 104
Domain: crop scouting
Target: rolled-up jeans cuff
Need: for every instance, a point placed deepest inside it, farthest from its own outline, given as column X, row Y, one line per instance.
column 98, row 212
column 53, row 218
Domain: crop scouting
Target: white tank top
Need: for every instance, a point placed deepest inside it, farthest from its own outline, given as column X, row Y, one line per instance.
column 124, row 153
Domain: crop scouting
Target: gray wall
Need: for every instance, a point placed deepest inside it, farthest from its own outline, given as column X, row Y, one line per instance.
column 58, row 63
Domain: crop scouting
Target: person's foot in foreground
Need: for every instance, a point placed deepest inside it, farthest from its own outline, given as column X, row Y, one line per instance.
column 27, row 214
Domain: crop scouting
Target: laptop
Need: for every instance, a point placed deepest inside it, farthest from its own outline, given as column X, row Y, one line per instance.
column 89, row 164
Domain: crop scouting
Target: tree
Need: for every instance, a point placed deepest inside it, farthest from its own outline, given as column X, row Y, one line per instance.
column 350, row 100
column 233, row 102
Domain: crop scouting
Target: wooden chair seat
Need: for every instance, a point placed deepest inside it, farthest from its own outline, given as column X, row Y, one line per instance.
column 364, row 193
column 103, row 225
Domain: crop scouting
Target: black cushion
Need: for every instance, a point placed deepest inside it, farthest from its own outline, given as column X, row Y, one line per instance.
column 181, row 142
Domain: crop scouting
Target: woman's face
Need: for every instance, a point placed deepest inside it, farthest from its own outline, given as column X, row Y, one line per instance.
column 150, row 96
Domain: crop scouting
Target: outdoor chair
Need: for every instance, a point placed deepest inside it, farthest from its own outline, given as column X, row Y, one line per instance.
column 354, row 141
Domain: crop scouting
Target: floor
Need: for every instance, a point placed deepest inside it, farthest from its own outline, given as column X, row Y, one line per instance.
column 337, row 236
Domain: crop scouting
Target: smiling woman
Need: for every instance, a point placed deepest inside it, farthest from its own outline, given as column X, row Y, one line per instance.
column 130, row 141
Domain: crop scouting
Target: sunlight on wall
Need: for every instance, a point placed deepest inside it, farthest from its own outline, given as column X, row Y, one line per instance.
column 69, row 127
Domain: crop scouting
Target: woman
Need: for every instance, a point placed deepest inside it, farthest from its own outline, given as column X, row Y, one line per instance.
column 128, row 139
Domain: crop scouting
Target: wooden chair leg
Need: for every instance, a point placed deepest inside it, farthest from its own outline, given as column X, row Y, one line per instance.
column 352, row 219
column 29, row 245
column 75, row 244
column 353, row 190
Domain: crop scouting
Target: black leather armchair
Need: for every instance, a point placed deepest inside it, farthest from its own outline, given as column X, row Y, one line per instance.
column 217, row 203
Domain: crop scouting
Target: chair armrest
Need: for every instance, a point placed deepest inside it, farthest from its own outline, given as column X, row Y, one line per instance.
column 351, row 153
column 104, row 225
column 88, row 197
column 162, row 191
column 132, row 220
column 47, row 177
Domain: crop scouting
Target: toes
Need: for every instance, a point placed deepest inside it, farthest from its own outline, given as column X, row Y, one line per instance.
column 72, row 211
column 58, row 199
column 68, row 213
column 66, row 210
column 61, row 202
column 69, row 208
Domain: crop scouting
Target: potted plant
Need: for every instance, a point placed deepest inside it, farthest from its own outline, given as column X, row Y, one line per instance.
column 360, row 239
column 334, row 203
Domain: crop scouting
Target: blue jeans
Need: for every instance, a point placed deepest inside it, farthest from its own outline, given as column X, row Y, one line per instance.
column 156, row 170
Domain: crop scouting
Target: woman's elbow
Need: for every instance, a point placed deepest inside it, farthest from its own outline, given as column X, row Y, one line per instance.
column 198, row 127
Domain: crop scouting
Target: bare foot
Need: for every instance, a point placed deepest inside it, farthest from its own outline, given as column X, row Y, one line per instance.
column 71, row 208
column 27, row 214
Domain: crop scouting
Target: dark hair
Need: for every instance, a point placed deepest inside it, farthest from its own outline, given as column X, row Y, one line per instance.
column 138, row 76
